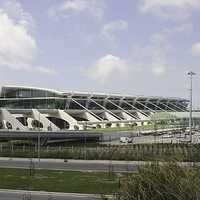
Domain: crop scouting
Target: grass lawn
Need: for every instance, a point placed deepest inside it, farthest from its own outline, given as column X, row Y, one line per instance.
column 134, row 128
column 58, row 181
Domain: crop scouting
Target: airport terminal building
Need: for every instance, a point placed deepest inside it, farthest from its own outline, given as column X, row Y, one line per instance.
column 28, row 108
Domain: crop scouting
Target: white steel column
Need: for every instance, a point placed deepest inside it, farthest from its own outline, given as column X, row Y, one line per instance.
column 8, row 117
column 45, row 122
column 67, row 117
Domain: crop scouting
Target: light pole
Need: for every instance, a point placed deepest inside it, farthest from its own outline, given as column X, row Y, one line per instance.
column 191, row 74
column 39, row 142
column 39, row 148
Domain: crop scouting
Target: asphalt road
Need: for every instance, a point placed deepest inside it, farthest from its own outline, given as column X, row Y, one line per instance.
column 71, row 165
column 165, row 138
column 26, row 195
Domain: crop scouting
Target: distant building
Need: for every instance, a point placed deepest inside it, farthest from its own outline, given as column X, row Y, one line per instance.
column 25, row 108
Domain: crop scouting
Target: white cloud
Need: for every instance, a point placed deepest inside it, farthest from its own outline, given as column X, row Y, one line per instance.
column 155, row 55
column 152, row 57
column 170, row 9
column 18, row 49
column 158, row 69
column 15, row 11
column 79, row 5
column 94, row 7
column 166, row 33
column 106, row 68
column 109, row 30
column 16, row 44
column 196, row 49
column 158, row 65
column 44, row 70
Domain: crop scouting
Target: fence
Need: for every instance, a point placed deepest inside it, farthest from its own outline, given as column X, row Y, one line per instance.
column 145, row 152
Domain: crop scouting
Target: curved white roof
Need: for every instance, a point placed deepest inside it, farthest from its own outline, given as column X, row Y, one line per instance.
column 31, row 88
column 91, row 94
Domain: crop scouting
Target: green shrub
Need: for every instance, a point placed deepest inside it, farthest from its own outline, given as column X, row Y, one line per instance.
column 156, row 182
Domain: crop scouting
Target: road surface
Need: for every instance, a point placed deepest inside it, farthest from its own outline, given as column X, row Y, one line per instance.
column 79, row 165
column 70, row 165
column 160, row 139
column 27, row 195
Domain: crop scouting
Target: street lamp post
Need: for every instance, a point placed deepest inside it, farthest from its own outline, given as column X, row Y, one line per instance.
column 39, row 142
column 39, row 148
column 191, row 74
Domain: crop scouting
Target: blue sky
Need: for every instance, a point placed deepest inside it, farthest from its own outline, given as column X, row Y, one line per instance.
column 139, row 47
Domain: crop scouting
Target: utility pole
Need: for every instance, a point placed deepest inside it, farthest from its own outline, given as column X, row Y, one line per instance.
column 191, row 74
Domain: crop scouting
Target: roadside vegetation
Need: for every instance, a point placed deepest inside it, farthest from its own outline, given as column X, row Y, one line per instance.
column 58, row 181
column 166, row 182
column 143, row 152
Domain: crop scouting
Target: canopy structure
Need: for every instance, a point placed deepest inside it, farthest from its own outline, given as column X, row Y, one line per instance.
column 26, row 108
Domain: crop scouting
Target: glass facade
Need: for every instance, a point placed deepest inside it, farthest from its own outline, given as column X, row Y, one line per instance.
column 30, row 98
column 33, row 98
column 33, row 103
column 27, row 93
